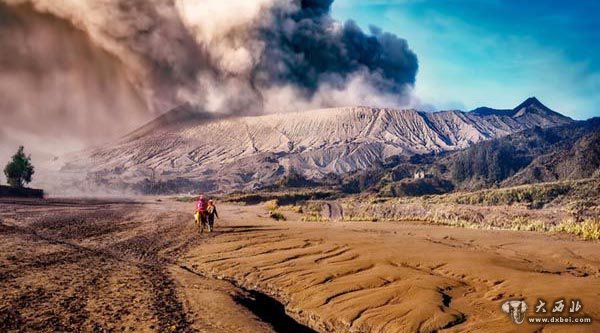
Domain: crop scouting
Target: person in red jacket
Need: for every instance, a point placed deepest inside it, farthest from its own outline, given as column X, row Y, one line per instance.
column 200, row 214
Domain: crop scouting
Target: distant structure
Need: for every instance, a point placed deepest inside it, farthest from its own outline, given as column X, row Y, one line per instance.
column 419, row 174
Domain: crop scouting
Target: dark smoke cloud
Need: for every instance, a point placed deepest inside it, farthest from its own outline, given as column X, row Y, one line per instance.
column 308, row 48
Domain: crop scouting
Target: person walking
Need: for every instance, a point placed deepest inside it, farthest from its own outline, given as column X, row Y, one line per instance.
column 200, row 214
column 211, row 213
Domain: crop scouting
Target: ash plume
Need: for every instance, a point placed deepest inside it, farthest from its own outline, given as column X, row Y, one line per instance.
column 241, row 57
column 77, row 73
column 58, row 85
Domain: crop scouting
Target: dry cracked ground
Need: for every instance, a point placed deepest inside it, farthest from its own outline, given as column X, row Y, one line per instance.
column 142, row 266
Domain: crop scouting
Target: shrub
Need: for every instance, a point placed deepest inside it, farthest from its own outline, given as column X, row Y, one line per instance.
column 19, row 170
column 416, row 187
column 588, row 229
column 277, row 216
column 271, row 205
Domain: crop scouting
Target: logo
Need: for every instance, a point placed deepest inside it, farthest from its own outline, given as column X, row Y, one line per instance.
column 515, row 309
column 561, row 311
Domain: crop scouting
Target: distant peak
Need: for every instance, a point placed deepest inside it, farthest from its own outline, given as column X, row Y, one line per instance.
column 532, row 102
column 531, row 105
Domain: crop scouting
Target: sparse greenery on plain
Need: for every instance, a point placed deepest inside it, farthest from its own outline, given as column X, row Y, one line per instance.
column 561, row 207
column 19, row 170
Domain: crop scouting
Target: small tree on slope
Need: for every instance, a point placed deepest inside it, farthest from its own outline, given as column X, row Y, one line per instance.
column 19, row 170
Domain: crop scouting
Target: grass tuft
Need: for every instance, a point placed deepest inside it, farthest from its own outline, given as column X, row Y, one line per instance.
column 588, row 229
column 277, row 216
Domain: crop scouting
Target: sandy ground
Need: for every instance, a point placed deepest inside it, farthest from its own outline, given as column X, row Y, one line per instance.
column 126, row 266
column 74, row 266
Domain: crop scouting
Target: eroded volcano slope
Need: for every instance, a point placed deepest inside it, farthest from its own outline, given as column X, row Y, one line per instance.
column 191, row 152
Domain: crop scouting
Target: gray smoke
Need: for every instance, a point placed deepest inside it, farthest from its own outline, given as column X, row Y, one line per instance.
column 242, row 57
column 56, row 87
column 307, row 48
column 74, row 73
column 291, row 55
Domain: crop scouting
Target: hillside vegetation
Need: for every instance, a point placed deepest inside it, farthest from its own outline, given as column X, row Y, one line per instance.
column 566, row 206
column 536, row 155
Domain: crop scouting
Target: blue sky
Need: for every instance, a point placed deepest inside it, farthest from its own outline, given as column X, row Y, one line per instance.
column 495, row 52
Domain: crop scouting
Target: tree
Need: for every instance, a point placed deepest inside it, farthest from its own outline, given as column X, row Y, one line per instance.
column 19, row 170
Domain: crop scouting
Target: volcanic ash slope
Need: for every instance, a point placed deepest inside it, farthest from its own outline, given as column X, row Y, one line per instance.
column 188, row 151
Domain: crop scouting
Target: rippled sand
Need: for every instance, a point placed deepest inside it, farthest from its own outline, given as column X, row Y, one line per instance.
column 400, row 277
column 142, row 266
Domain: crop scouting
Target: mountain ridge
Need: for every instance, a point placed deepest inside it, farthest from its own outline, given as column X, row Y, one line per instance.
column 245, row 153
column 531, row 104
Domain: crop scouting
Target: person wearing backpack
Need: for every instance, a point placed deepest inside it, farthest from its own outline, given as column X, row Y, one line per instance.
column 211, row 213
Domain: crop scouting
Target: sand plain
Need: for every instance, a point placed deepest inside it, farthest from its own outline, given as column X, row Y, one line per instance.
column 141, row 265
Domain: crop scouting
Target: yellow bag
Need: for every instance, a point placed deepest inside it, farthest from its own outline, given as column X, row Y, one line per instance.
column 197, row 217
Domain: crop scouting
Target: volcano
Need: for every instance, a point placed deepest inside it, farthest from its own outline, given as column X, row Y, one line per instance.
column 187, row 150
